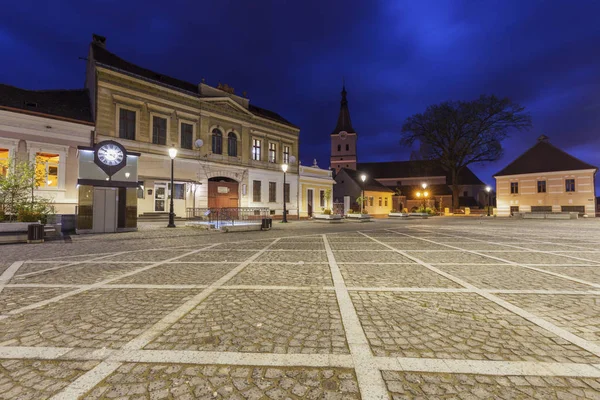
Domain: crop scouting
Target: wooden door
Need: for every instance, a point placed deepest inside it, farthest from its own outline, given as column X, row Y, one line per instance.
column 309, row 202
column 223, row 194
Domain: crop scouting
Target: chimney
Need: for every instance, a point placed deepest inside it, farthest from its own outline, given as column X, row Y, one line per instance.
column 99, row 40
column 543, row 139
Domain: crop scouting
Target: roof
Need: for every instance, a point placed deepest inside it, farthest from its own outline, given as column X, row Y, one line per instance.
column 543, row 157
column 69, row 104
column 370, row 183
column 415, row 169
column 112, row 61
column 343, row 123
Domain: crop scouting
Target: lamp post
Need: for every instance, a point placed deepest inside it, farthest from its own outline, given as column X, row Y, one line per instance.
column 488, row 190
column 172, row 154
column 363, row 178
column 284, row 168
column 425, row 194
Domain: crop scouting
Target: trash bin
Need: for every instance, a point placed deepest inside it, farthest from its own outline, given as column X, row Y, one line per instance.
column 266, row 223
column 35, row 233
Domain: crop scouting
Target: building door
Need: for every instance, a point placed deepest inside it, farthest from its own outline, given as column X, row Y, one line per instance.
column 105, row 210
column 223, row 193
column 160, row 197
column 309, row 202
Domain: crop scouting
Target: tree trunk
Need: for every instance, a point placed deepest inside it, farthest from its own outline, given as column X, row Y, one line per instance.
column 455, row 191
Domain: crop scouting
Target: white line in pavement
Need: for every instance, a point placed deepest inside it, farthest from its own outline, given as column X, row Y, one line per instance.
column 87, row 381
column 44, row 353
column 370, row 381
column 8, row 274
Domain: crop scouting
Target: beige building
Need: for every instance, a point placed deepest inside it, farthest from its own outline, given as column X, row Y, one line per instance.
column 230, row 151
column 46, row 127
column 315, row 185
column 546, row 179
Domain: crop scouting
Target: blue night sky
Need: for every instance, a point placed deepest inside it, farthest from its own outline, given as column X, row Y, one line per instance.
column 290, row 56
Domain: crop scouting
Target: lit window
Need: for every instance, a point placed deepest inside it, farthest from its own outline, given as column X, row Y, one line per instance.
column 514, row 187
column 232, row 144
column 46, row 169
column 286, row 154
column 4, row 162
column 272, row 152
column 386, row 201
column 380, row 202
column 569, row 185
column 541, row 186
column 217, row 141
column 371, row 201
column 256, row 149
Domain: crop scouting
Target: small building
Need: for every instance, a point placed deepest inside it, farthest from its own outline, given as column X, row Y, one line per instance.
column 315, row 190
column 546, row 179
column 46, row 127
column 349, row 187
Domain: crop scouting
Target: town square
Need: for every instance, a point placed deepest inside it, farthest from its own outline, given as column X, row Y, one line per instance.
column 321, row 200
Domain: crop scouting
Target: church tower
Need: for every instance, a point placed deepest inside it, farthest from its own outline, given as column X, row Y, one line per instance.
column 343, row 139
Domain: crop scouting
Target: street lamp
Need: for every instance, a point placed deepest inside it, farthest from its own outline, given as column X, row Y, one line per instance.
column 488, row 189
column 424, row 185
column 284, row 168
column 172, row 154
column 363, row 178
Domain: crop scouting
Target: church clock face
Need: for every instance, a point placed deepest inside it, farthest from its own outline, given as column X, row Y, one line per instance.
column 343, row 135
column 110, row 154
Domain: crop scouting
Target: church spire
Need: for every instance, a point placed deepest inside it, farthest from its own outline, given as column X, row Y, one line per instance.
column 344, row 123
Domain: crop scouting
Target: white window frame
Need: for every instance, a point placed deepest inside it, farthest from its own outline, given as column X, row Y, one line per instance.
column 36, row 147
column 151, row 124
column 574, row 185
column 12, row 146
column 137, row 112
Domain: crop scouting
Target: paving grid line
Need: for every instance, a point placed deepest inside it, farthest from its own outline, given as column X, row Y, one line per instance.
column 8, row 274
column 560, row 332
column 523, row 265
column 370, row 380
column 93, row 286
column 91, row 378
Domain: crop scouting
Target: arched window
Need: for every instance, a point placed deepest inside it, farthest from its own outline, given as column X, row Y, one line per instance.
column 232, row 144
column 339, row 147
column 217, row 141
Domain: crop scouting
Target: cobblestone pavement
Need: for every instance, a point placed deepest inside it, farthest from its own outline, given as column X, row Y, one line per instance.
column 439, row 308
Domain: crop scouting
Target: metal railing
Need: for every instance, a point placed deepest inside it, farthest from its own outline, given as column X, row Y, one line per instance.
column 229, row 215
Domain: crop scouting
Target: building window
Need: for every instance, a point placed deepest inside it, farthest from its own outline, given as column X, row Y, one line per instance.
column 217, row 141
column 179, row 193
column 46, row 169
column 541, row 186
column 347, row 147
column 4, row 156
column 514, row 187
column 386, row 201
column 339, row 147
column 286, row 193
column 380, row 202
column 514, row 209
column 569, row 185
column 187, row 136
column 232, row 144
column 272, row 152
column 272, row 192
column 256, row 149
column 286, row 154
column 126, row 124
column 371, row 201
column 159, row 130
column 256, row 191
column 322, row 198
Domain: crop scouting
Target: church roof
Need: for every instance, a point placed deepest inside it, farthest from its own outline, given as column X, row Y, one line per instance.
column 370, row 183
column 543, row 157
column 343, row 123
column 415, row 169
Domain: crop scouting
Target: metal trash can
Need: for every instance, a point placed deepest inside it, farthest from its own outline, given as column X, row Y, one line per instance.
column 266, row 224
column 35, row 233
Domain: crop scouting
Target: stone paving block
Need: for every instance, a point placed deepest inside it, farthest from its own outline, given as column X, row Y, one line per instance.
column 527, row 257
column 393, row 275
column 546, row 246
column 309, row 246
column 181, row 381
column 588, row 255
column 151, row 256
column 79, row 274
column 357, row 246
column 307, row 274
column 425, row 385
column 578, row 314
column 298, row 239
column 267, row 321
column 13, row 298
column 29, row 267
column 458, row 326
column 386, row 256
column 420, row 245
column 510, row 277
column 587, row 273
column 37, row 380
column 179, row 274
column 451, row 256
column 292, row 256
column 480, row 246
column 222, row 255
column 253, row 245
column 96, row 319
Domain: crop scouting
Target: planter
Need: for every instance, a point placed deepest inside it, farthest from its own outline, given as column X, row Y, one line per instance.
column 327, row 217
column 359, row 217
column 14, row 232
column 398, row 215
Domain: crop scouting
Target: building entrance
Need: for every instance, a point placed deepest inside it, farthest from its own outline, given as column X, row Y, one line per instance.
column 105, row 210
column 223, row 193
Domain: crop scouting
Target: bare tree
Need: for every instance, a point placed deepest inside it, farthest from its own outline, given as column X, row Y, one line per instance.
column 459, row 133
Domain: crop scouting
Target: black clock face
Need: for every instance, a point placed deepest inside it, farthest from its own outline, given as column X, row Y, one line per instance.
column 110, row 154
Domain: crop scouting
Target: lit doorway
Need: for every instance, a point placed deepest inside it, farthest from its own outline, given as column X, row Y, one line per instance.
column 160, row 197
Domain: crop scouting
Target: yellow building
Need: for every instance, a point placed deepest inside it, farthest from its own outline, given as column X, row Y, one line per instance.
column 349, row 187
column 546, row 179
column 316, row 190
